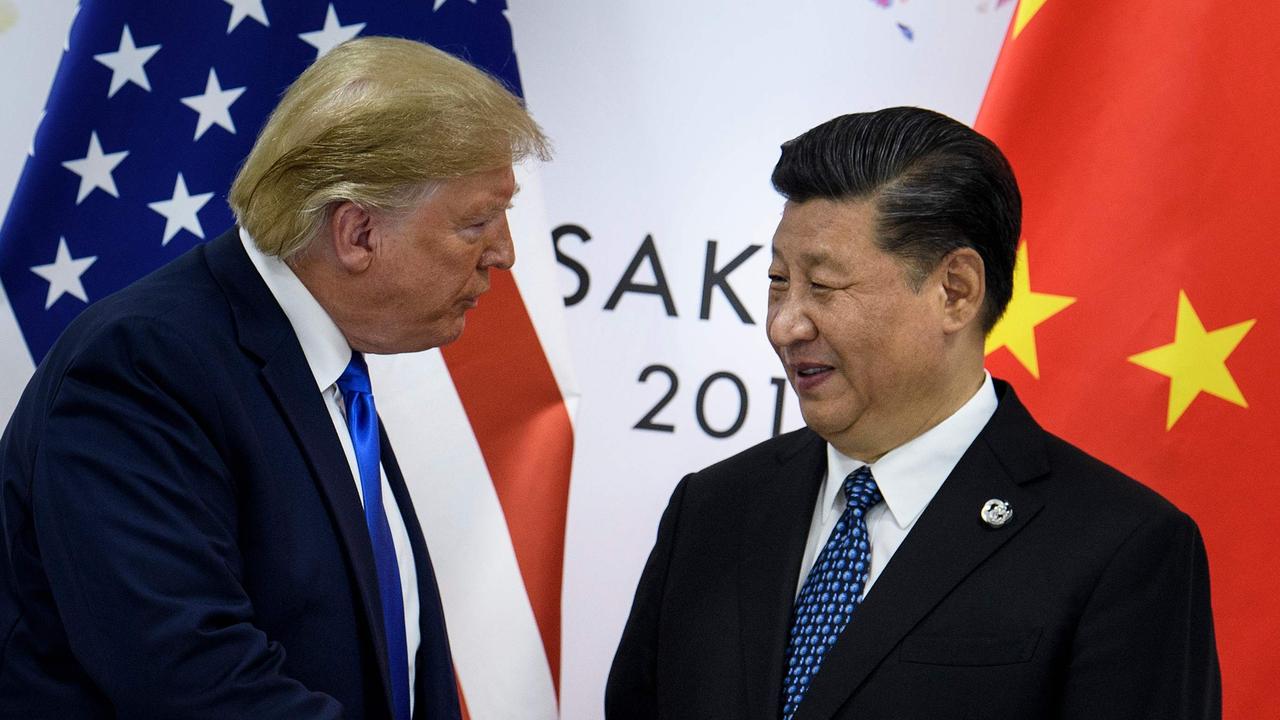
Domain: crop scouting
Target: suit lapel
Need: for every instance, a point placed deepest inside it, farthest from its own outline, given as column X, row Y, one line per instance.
column 776, row 528
column 947, row 543
column 435, row 689
column 265, row 332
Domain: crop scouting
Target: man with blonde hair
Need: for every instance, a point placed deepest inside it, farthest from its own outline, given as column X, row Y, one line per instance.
column 202, row 514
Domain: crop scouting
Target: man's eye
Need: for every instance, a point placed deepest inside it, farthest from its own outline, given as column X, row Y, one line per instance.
column 777, row 280
column 819, row 287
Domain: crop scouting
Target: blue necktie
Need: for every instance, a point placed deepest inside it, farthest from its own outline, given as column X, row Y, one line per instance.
column 831, row 592
column 362, row 422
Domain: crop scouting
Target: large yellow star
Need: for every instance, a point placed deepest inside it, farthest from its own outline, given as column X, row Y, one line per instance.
column 1027, row 9
column 1017, row 328
column 1196, row 360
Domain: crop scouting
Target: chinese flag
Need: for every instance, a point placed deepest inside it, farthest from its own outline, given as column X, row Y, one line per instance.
column 1145, row 324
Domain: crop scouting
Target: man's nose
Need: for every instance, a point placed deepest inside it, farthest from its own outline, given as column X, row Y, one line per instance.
column 789, row 323
column 501, row 252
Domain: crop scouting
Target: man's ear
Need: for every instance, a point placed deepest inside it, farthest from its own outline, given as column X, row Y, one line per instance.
column 964, row 280
column 353, row 236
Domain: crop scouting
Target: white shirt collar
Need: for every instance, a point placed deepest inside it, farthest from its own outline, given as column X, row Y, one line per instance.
column 909, row 475
column 323, row 344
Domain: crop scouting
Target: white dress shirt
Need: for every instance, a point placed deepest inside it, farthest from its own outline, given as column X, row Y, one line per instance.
column 328, row 355
column 908, row 477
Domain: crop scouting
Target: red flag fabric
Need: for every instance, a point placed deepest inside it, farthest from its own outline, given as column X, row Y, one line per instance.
column 1145, row 325
column 509, row 392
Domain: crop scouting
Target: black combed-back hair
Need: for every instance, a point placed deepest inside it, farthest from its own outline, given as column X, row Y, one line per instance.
column 935, row 183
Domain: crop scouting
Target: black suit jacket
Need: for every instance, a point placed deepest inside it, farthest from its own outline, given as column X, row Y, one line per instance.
column 1091, row 603
column 182, row 534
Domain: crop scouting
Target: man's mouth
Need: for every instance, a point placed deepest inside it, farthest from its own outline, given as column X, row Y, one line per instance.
column 809, row 375
column 473, row 299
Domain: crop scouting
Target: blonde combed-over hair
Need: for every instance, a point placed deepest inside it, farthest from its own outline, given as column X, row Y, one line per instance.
column 376, row 121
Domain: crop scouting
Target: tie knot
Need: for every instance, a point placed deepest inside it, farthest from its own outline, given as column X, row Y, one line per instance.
column 356, row 377
column 860, row 489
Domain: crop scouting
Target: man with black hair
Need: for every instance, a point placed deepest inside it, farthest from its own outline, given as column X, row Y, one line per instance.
column 922, row 549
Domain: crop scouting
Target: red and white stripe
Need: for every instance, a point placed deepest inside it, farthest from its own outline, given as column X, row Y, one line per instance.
column 484, row 435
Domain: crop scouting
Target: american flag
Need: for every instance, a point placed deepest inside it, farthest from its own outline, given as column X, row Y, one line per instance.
column 152, row 109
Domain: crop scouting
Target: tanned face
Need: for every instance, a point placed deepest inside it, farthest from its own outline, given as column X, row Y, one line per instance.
column 404, row 282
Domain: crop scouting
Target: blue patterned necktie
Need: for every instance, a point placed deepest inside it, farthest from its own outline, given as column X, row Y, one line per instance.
column 362, row 422
column 831, row 592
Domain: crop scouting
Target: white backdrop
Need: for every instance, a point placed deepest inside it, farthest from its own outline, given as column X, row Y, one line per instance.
column 666, row 118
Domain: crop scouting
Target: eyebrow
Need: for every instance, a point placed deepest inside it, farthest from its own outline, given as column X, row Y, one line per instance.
column 492, row 205
column 817, row 258
column 807, row 257
column 502, row 205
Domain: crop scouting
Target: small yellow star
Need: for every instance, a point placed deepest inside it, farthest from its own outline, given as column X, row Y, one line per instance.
column 1196, row 360
column 1017, row 328
column 1027, row 9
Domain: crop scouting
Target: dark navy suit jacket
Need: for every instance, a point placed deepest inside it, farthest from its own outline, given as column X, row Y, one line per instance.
column 182, row 535
column 1092, row 603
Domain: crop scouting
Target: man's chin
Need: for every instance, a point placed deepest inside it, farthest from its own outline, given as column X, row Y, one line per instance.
column 822, row 420
column 417, row 342
column 449, row 335
column 815, row 420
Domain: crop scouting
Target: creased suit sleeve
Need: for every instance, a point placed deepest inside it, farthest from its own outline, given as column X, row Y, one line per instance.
column 631, row 691
column 135, row 515
column 1144, row 647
